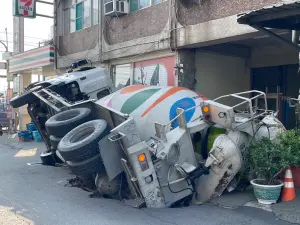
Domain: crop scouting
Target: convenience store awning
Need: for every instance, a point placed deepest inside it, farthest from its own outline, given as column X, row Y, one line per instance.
column 32, row 59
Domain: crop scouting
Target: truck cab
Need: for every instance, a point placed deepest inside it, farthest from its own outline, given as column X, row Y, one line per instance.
column 46, row 98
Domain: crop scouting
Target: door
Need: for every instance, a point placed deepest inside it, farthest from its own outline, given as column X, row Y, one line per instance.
column 292, row 90
column 122, row 75
column 271, row 81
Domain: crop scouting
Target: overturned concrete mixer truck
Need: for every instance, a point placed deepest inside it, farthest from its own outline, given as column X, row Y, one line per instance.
column 139, row 143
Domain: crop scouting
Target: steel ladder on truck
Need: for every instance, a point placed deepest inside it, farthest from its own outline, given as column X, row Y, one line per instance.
column 55, row 102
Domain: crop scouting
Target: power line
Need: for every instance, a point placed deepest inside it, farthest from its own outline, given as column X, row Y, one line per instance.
column 11, row 40
column 1, row 32
column 25, row 43
column 28, row 40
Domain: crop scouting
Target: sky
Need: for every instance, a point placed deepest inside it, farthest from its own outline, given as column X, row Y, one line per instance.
column 36, row 30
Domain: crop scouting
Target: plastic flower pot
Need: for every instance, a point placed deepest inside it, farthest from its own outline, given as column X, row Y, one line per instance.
column 266, row 194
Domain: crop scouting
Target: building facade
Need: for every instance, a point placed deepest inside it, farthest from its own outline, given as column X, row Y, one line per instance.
column 196, row 44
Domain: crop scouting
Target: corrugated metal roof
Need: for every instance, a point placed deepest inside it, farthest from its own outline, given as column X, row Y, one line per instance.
column 277, row 11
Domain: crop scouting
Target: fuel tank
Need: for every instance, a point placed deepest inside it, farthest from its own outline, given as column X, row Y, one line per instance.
column 150, row 104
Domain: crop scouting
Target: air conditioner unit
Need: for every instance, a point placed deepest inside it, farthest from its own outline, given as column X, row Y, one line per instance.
column 116, row 7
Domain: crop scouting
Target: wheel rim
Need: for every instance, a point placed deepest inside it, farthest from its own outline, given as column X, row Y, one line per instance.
column 79, row 136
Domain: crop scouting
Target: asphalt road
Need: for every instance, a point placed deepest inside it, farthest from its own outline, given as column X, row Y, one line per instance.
column 38, row 194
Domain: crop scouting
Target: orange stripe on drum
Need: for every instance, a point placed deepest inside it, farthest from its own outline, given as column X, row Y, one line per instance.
column 133, row 88
column 202, row 96
column 170, row 92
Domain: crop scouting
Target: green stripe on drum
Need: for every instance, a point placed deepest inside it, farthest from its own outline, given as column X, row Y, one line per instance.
column 137, row 99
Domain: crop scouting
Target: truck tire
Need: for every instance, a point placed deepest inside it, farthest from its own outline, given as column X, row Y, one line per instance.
column 54, row 141
column 81, row 143
column 88, row 167
column 48, row 158
column 60, row 124
column 59, row 157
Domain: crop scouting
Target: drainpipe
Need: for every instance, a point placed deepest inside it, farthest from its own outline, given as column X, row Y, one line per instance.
column 173, row 24
column 100, row 30
column 55, row 5
column 295, row 40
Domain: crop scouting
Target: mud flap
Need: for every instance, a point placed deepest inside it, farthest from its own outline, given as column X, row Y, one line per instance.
column 225, row 160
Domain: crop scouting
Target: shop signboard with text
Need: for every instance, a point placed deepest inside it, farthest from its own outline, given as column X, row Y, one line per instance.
column 24, row 8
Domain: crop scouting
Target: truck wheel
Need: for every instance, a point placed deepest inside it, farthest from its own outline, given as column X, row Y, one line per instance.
column 54, row 141
column 60, row 159
column 60, row 124
column 48, row 158
column 81, row 143
column 88, row 167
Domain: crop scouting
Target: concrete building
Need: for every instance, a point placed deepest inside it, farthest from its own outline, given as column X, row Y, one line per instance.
column 193, row 43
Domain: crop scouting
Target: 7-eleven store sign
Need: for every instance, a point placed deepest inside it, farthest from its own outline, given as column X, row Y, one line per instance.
column 25, row 8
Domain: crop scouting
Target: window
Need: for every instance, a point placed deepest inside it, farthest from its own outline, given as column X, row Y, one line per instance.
column 95, row 12
column 103, row 93
column 72, row 19
column 140, row 4
column 144, row 4
column 122, row 75
column 34, row 78
column 78, row 16
column 84, row 13
column 87, row 13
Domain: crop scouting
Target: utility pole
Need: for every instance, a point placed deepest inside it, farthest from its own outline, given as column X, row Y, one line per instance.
column 6, row 38
column 18, row 47
column 7, row 61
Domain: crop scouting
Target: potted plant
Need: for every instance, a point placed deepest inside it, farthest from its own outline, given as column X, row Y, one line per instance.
column 268, row 159
column 290, row 142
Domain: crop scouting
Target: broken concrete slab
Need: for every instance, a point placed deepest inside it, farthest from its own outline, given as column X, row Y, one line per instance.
column 256, row 204
column 233, row 200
